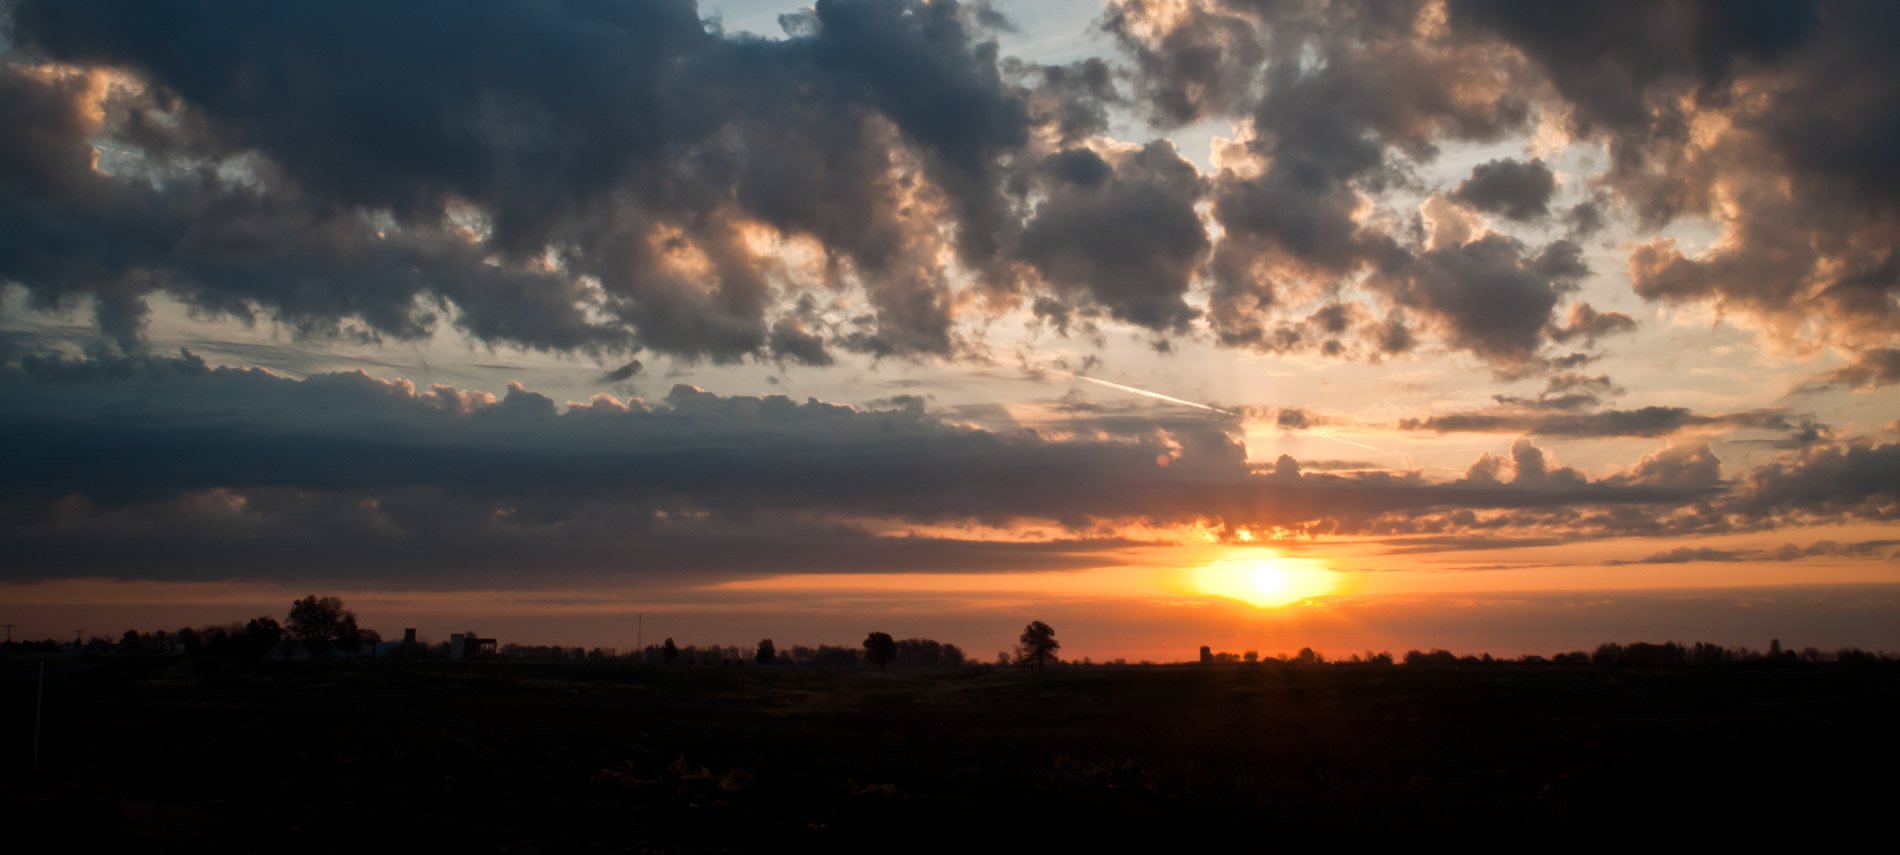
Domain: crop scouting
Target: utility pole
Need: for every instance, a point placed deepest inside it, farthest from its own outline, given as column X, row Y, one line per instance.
column 640, row 636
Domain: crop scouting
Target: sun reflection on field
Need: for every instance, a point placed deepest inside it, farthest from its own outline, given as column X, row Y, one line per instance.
column 1264, row 581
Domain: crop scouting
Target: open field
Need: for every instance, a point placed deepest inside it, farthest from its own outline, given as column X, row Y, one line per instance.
column 384, row 756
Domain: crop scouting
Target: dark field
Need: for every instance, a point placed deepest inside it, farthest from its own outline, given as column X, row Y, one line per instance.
column 383, row 756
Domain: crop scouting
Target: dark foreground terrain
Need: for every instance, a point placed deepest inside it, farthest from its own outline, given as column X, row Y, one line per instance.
column 172, row 754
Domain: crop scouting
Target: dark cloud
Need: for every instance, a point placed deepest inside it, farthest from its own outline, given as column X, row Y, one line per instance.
column 1207, row 60
column 1771, row 118
column 1568, row 392
column 1861, row 480
column 1643, row 421
column 1073, row 99
column 1338, row 97
column 1788, row 552
column 1872, row 369
column 1488, row 295
column 1588, row 324
column 557, row 175
column 1687, row 466
column 623, row 373
column 601, row 180
column 1122, row 233
column 1516, row 190
column 139, row 455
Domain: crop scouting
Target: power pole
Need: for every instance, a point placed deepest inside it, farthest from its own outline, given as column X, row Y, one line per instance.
column 640, row 636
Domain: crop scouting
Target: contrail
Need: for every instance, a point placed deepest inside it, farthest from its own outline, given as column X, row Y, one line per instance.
column 1346, row 441
column 1200, row 406
column 1142, row 392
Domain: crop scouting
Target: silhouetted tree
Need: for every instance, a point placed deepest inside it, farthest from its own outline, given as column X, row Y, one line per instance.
column 370, row 638
column 190, row 641
column 1038, row 644
column 1434, row 659
column 669, row 651
column 129, row 642
column 767, row 652
column 879, row 649
column 261, row 636
column 319, row 622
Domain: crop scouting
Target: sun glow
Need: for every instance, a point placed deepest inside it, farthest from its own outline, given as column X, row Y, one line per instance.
column 1265, row 582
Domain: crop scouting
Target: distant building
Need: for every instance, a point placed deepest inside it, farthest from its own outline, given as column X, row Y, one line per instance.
column 469, row 646
column 1207, row 655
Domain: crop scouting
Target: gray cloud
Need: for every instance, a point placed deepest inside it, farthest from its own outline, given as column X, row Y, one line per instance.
column 123, row 457
column 1516, row 190
column 1788, row 552
column 1793, row 99
column 602, row 180
column 1642, row 421
column 1124, row 233
column 1588, row 324
column 629, row 145
column 1858, row 480
column 1872, row 369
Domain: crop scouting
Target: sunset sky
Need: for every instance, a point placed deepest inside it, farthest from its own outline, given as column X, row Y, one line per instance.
column 1489, row 325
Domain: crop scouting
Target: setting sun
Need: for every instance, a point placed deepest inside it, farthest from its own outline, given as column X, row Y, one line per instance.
column 1266, row 582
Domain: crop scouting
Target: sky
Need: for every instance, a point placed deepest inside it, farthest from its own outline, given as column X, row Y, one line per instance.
column 1390, row 325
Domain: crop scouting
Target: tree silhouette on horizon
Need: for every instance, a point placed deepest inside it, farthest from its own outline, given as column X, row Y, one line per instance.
column 320, row 622
column 1038, row 644
column 879, row 649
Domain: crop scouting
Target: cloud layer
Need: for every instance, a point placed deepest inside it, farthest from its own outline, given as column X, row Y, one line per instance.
column 166, row 467
column 590, row 179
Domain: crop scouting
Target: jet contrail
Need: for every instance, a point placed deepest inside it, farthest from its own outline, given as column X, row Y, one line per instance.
column 1199, row 406
column 1143, row 392
column 1346, row 441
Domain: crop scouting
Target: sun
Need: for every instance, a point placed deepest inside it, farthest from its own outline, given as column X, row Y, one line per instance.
column 1265, row 582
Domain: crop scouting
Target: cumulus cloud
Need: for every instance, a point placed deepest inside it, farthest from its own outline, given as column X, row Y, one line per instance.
column 1513, row 189
column 1121, row 232
column 553, row 176
column 1852, row 480
column 602, row 181
column 1588, row 324
column 1769, row 119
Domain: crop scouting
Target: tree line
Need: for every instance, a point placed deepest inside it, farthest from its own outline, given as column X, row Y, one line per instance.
column 1639, row 654
column 322, row 627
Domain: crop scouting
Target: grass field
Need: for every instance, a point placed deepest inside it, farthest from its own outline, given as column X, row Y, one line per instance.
column 172, row 753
